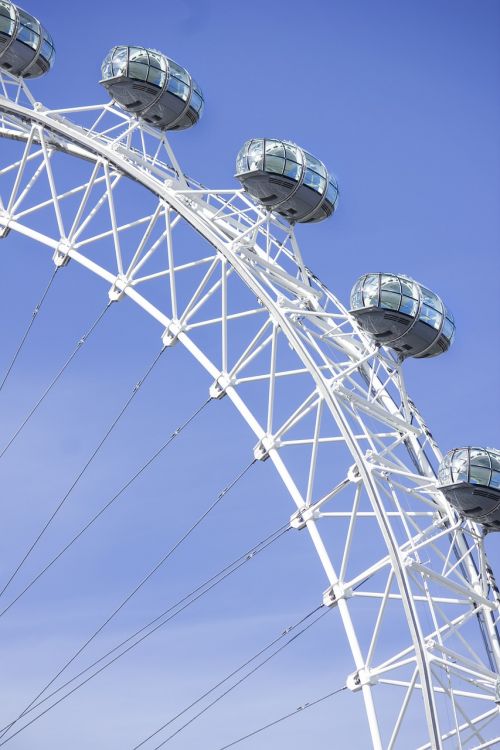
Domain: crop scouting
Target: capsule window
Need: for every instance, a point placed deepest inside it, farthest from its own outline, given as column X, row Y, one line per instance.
column 292, row 170
column 479, row 458
column 315, row 165
column 274, row 164
column 480, row 475
column 47, row 49
column 196, row 101
column 389, row 300
column 138, row 71
column 314, row 181
column 448, row 329
column 241, row 162
column 28, row 37
column 408, row 305
column 29, row 30
column 120, row 60
column 332, row 193
column 371, row 291
column 409, row 288
column 495, row 480
column 495, row 461
column 178, row 72
column 7, row 21
column 357, row 299
column 275, row 148
column 177, row 87
column 431, row 316
column 431, row 299
column 156, row 76
column 256, row 156
column 293, row 152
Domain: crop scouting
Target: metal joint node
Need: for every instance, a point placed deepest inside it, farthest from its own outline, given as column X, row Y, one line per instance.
column 189, row 202
column 440, row 521
column 118, row 288
column 261, row 450
column 408, row 560
column 430, row 644
column 300, row 518
column 218, row 389
column 171, row 333
column 335, row 593
column 245, row 243
column 359, row 679
column 61, row 254
column 353, row 474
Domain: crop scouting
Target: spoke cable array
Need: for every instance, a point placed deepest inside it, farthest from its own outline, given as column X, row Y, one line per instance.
column 141, row 583
column 241, row 680
column 94, row 453
column 147, row 630
column 298, row 710
column 110, row 502
column 56, row 378
column 29, row 327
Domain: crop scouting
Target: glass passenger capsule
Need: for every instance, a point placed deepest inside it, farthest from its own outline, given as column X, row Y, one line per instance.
column 469, row 478
column 402, row 314
column 285, row 178
column 150, row 85
column 26, row 48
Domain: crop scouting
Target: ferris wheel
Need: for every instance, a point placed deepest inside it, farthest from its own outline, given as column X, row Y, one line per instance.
column 399, row 531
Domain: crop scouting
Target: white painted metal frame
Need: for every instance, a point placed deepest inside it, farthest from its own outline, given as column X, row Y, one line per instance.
column 409, row 578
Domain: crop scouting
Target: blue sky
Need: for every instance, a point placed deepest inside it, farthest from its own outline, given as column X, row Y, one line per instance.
column 400, row 100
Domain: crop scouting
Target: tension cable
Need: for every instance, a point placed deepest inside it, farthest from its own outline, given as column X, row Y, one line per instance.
column 110, row 502
column 94, row 453
column 144, row 632
column 137, row 588
column 28, row 329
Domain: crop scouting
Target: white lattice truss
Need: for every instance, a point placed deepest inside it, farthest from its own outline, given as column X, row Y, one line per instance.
column 317, row 392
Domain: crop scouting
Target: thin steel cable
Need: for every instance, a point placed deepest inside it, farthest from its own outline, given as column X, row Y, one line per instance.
column 28, row 329
column 53, row 382
column 304, row 707
column 110, row 502
column 189, row 599
column 239, row 682
column 282, row 635
column 137, row 588
column 94, row 453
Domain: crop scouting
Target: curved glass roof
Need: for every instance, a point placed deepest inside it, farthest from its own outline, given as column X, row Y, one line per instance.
column 402, row 294
column 156, row 69
column 26, row 48
column 471, row 465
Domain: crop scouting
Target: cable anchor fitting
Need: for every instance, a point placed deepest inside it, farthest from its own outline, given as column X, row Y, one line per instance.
column 61, row 256
column 219, row 387
column 264, row 446
column 359, row 679
column 118, row 289
column 300, row 518
column 335, row 593
column 171, row 333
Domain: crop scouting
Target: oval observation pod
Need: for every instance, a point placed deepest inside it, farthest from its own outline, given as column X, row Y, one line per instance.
column 400, row 313
column 285, row 178
column 469, row 478
column 147, row 83
column 26, row 48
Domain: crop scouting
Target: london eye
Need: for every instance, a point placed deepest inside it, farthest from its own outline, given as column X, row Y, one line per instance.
column 215, row 282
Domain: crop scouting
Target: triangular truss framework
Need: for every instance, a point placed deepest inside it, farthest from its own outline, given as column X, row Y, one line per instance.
column 226, row 279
